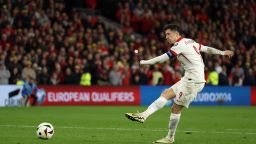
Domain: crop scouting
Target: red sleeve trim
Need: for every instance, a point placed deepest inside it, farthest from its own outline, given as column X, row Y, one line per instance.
column 173, row 52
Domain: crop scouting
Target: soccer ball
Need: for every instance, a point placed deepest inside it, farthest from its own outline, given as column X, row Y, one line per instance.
column 45, row 130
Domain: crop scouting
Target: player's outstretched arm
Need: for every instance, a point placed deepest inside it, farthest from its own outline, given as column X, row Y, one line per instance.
column 158, row 59
column 212, row 50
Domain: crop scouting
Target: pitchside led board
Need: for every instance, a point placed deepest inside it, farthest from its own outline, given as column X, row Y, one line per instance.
column 10, row 95
column 93, row 95
column 209, row 96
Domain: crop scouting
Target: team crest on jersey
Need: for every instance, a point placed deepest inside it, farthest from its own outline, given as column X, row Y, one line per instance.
column 175, row 44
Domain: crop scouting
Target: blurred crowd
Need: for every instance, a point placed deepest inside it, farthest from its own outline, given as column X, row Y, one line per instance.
column 52, row 43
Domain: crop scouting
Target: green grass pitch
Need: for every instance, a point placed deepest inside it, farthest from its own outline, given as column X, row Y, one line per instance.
column 108, row 125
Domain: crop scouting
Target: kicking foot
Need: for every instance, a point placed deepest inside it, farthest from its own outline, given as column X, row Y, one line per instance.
column 165, row 140
column 135, row 117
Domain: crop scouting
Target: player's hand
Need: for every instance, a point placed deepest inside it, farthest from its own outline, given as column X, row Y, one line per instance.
column 229, row 53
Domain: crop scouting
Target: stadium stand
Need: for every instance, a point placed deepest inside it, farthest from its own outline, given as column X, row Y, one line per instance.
column 50, row 41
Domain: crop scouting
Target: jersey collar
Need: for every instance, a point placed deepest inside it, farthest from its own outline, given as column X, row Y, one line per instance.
column 179, row 39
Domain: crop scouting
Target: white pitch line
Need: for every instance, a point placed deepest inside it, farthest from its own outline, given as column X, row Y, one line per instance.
column 240, row 129
column 230, row 131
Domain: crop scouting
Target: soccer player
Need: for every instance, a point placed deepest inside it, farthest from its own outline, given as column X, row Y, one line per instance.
column 184, row 91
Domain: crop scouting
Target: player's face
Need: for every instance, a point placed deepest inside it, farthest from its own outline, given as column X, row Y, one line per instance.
column 171, row 36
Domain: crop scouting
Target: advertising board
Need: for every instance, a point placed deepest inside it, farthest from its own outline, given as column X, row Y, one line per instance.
column 79, row 95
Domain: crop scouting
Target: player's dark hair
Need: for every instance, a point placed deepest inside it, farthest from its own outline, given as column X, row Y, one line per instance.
column 172, row 27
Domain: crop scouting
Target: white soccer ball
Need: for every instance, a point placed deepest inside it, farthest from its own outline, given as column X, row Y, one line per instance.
column 45, row 130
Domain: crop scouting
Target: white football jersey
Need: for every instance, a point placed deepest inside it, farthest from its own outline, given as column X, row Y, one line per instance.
column 188, row 54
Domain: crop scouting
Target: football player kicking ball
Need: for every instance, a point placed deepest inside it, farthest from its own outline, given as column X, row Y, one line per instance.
column 184, row 91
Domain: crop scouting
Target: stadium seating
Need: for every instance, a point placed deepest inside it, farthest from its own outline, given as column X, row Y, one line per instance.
column 59, row 44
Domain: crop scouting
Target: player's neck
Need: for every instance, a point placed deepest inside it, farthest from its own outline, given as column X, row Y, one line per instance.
column 179, row 37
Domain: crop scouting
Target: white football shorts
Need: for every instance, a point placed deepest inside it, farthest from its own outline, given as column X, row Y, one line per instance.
column 186, row 90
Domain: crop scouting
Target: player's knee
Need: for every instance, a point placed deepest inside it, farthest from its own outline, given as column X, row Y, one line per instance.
column 168, row 94
column 164, row 93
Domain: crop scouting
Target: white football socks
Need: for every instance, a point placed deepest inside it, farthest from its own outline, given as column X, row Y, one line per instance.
column 173, row 123
column 156, row 105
